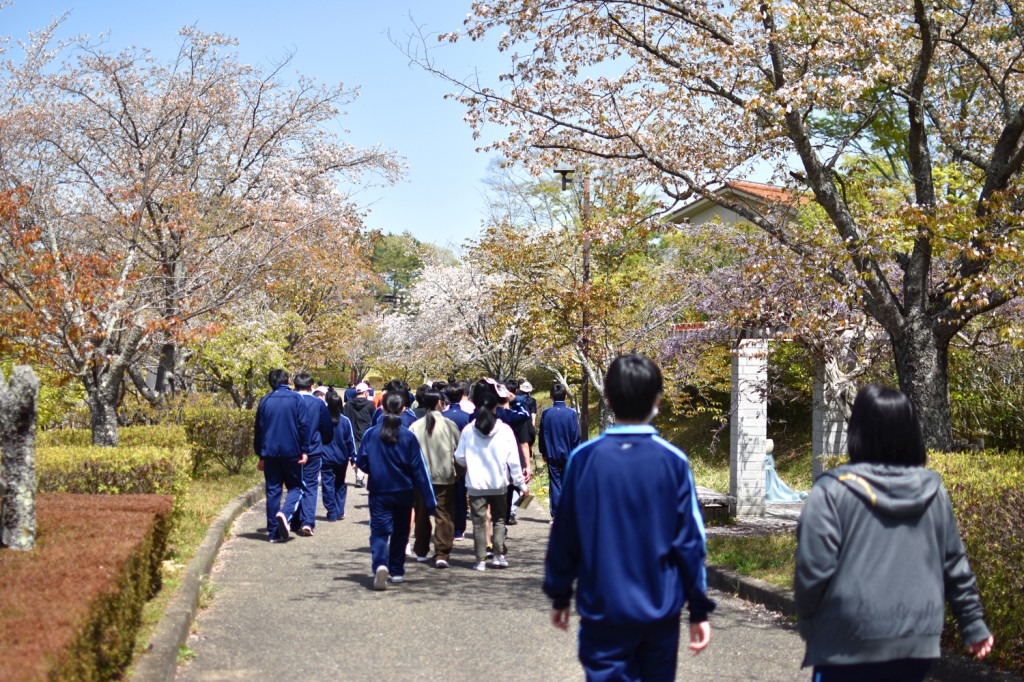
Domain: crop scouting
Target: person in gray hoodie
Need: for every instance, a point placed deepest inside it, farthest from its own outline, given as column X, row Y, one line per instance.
column 879, row 552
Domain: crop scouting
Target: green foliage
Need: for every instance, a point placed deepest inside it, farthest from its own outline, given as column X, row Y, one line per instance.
column 59, row 393
column 396, row 258
column 220, row 435
column 157, row 436
column 987, row 490
column 122, row 470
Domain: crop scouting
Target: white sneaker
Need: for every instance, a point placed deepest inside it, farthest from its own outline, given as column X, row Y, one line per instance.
column 440, row 563
column 380, row 578
column 282, row 527
column 398, row 579
column 421, row 559
column 499, row 561
column 480, row 566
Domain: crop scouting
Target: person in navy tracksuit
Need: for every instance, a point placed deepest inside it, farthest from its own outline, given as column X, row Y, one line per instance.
column 280, row 434
column 321, row 431
column 630, row 586
column 401, row 388
column 558, row 436
column 391, row 455
column 338, row 452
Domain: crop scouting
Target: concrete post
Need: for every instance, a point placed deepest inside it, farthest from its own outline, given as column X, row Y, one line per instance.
column 748, row 425
column 18, row 404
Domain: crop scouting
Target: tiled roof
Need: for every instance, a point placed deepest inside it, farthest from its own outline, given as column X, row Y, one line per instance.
column 766, row 192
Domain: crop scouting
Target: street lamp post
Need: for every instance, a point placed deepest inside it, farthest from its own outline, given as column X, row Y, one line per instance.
column 567, row 179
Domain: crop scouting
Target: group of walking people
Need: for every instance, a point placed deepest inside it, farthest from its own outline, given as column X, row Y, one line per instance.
column 878, row 547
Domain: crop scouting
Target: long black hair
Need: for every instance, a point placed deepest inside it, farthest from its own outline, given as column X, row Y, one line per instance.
column 394, row 405
column 429, row 399
column 884, row 429
column 485, row 416
column 334, row 405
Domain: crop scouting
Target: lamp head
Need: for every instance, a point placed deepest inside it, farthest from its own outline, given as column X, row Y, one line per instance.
column 566, row 173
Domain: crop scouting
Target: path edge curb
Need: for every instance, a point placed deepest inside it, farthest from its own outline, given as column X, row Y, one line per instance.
column 160, row 660
column 953, row 667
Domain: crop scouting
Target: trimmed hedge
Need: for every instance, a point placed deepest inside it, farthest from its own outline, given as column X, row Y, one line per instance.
column 113, row 471
column 71, row 609
column 987, row 490
column 221, row 435
column 161, row 436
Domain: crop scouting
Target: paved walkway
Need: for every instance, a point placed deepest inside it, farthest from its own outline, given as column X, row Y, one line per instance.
column 305, row 610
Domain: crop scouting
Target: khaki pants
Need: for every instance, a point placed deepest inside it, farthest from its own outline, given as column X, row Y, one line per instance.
column 444, row 531
column 478, row 509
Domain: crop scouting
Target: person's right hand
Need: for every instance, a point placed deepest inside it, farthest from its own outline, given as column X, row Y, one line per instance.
column 259, row 466
column 560, row 618
column 981, row 649
column 700, row 635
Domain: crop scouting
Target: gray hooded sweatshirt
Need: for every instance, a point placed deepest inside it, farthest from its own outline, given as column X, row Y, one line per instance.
column 878, row 553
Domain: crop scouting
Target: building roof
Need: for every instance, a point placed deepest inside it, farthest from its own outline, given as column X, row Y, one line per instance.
column 756, row 194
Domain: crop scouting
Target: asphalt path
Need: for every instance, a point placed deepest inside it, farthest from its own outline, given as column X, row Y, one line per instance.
column 305, row 610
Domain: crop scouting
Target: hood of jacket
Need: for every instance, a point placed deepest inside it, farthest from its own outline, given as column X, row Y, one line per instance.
column 894, row 490
column 361, row 403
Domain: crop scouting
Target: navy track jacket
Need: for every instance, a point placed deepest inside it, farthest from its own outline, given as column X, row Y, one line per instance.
column 559, row 432
column 341, row 448
column 322, row 428
column 395, row 467
column 282, row 425
column 629, row 532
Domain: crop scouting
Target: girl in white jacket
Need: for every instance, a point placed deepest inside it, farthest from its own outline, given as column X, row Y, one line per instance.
column 490, row 454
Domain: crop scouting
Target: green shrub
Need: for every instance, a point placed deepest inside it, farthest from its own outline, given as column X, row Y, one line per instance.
column 219, row 435
column 159, row 435
column 987, row 490
column 113, row 471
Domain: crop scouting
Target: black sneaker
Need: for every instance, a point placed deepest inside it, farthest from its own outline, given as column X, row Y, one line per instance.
column 511, row 521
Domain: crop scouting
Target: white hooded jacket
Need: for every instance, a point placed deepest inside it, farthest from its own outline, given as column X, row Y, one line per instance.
column 489, row 459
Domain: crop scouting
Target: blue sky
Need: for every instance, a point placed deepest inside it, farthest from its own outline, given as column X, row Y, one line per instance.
column 400, row 106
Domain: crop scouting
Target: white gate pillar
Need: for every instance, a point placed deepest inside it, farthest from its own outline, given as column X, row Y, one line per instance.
column 748, row 427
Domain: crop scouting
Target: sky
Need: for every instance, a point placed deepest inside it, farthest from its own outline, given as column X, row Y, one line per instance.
column 401, row 107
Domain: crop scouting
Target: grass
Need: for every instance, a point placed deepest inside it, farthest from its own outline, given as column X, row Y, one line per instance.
column 765, row 557
column 768, row 558
column 205, row 498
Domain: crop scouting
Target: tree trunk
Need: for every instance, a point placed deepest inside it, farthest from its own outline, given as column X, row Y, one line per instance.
column 922, row 365
column 103, row 408
column 18, row 403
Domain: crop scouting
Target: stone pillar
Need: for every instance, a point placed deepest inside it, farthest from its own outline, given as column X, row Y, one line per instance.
column 828, row 430
column 748, row 425
column 18, row 401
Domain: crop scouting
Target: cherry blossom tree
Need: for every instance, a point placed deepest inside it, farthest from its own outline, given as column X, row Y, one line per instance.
column 687, row 96
column 154, row 195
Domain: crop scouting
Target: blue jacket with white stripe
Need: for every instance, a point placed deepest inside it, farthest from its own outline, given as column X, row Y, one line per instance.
column 628, row 532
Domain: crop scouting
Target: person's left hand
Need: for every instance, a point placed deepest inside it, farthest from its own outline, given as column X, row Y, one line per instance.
column 304, row 458
column 981, row 649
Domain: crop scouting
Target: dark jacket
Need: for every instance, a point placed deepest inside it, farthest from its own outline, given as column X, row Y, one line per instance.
column 559, row 432
column 282, row 425
column 341, row 448
column 359, row 411
column 395, row 467
column 458, row 415
column 321, row 428
column 878, row 554
column 625, row 577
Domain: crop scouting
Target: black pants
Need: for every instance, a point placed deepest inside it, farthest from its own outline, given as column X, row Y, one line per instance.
column 900, row 670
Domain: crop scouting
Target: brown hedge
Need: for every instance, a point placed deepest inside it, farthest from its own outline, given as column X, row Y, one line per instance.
column 70, row 609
